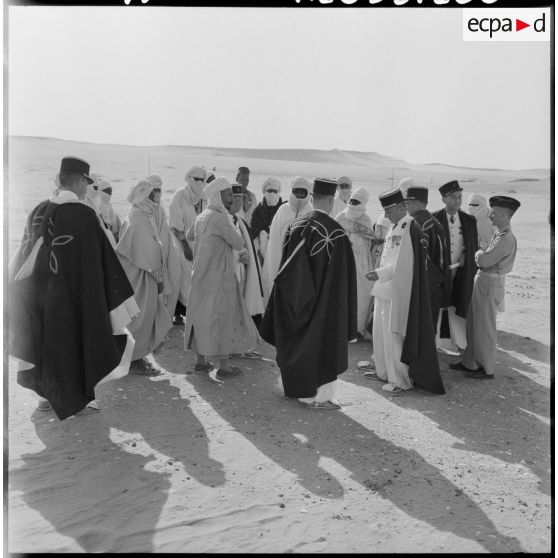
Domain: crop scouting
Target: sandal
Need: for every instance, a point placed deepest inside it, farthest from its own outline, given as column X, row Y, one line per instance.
column 321, row 405
column 249, row 354
column 366, row 364
column 391, row 388
column 91, row 407
column 143, row 368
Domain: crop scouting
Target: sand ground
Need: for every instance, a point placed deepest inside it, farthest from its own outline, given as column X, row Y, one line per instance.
column 182, row 463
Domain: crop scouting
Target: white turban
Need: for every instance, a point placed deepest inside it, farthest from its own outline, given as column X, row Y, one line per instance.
column 360, row 194
column 105, row 196
column 194, row 171
column 103, row 184
column 482, row 210
column 271, row 181
column 300, row 182
column 155, row 179
column 213, row 188
column 140, row 191
column 344, row 180
column 406, row 183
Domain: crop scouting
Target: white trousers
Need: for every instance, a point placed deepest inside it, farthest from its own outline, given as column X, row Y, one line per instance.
column 458, row 331
column 324, row 393
column 388, row 347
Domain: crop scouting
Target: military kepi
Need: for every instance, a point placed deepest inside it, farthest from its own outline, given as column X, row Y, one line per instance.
column 391, row 197
column 418, row 193
column 450, row 188
column 75, row 165
column 504, row 201
column 324, row 186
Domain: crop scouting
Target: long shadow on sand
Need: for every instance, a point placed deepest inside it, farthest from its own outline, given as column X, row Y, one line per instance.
column 507, row 418
column 110, row 500
column 296, row 439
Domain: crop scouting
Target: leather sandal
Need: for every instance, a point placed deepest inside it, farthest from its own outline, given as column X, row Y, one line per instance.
column 321, row 405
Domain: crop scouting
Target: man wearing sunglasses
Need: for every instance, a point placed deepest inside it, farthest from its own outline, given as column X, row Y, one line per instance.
column 185, row 205
column 344, row 188
column 264, row 213
column 108, row 215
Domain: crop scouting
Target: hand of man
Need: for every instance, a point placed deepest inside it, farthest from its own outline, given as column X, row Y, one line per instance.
column 371, row 276
column 244, row 258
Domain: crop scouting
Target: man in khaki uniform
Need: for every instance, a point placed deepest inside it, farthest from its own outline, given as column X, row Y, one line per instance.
column 479, row 359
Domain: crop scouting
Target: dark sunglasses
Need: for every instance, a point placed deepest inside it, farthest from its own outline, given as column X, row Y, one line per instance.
column 95, row 187
column 198, row 179
column 156, row 189
column 474, row 204
column 108, row 190
column 272, row 191
column 345, row 186
column 300, row 193
column 354, row 202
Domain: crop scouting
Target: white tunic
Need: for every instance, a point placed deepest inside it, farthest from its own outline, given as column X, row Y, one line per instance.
column 391, row 307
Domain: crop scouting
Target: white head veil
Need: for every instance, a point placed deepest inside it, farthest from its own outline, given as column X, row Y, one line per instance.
column 295, row 203
column 480, row 210
column 194, row 189
column 353, row 212
column 212, row 192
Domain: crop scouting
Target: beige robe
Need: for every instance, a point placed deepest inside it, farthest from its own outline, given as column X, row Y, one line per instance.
column 218, row 322
column 362, row 250
column 141, row 254
column 177, row 268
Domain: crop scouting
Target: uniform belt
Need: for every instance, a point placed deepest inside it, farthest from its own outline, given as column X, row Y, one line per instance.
column 491, row 274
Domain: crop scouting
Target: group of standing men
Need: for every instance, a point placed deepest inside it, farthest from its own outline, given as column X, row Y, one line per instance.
column 428, row 262
column 85, row 300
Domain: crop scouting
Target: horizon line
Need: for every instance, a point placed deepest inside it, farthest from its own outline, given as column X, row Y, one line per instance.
column 306, row 149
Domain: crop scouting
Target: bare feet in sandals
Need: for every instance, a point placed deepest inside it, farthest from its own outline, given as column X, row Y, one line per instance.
column 142, row 367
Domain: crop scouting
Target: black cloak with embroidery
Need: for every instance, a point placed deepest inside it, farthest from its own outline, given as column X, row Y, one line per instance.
column 419, row 347
column 59, row 316
column 436, row 262
column 312, row 309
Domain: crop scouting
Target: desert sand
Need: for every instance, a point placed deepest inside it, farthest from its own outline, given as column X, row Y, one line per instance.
column 184, row 463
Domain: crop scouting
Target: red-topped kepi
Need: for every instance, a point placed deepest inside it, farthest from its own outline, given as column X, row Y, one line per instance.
column 449, row 188
column 75, row 165
column 418, row 193
column 391, row 197
column 504, row 201
column 324, row 186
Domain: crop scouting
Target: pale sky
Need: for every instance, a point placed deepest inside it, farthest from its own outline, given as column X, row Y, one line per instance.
column 400, row 82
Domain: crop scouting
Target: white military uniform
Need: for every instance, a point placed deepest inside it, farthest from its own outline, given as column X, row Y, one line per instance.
column 392, row 293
